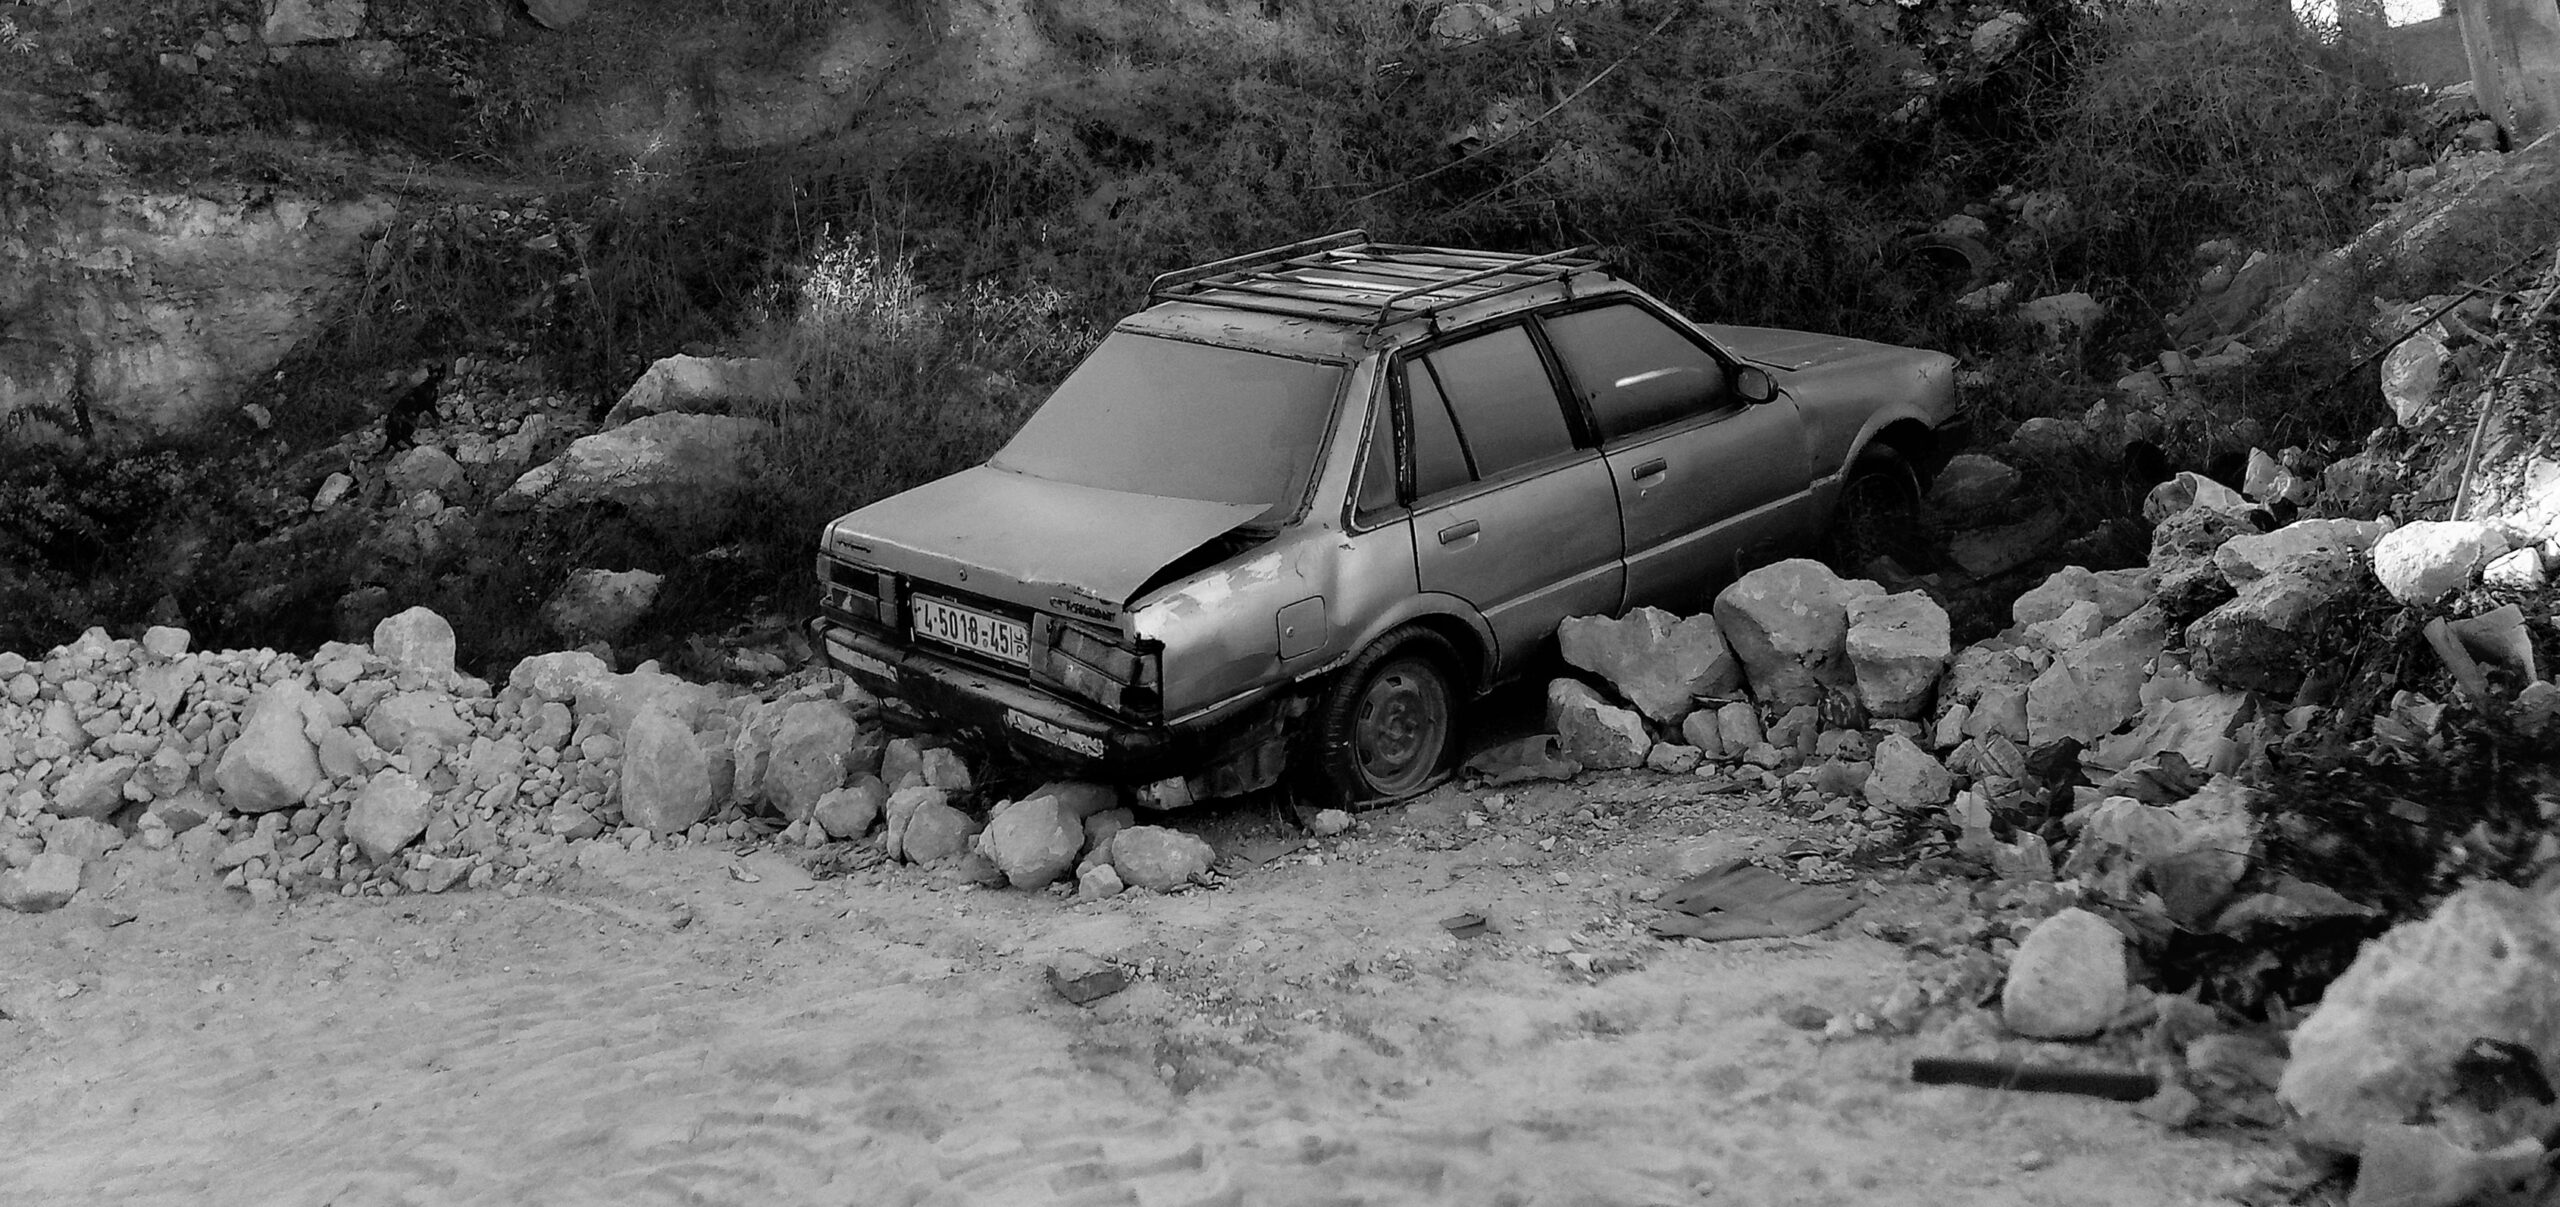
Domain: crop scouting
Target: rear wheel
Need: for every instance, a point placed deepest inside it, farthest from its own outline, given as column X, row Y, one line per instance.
column 1388, row 724
column 1879, row 515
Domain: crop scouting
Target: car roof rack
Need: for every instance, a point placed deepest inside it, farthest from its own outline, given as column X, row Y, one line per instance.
column 1345, row 276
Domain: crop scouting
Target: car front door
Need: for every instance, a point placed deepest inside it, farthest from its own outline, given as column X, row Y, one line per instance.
column 1510, row 512
column 1707, row 483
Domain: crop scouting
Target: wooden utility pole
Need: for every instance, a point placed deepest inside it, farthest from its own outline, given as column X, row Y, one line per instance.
column 2514, row 48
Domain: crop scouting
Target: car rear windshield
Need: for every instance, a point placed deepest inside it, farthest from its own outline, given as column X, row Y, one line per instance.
column 1190, row 421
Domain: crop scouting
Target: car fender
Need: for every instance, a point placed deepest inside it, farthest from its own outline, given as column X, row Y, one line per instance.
column 1447, row 612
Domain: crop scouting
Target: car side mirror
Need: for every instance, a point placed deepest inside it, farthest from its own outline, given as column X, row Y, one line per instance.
column 1753, row 384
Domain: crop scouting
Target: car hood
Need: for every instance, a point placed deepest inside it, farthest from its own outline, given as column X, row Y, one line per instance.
column 1778, row 348
column 1032, row 541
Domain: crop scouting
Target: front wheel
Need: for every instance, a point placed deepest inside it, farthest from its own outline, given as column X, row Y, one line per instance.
column 1388, row 724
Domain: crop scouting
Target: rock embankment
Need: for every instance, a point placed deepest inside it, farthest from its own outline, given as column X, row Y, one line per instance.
column 380, row 769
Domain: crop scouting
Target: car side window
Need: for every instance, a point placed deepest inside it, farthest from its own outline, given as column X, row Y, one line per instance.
column 1635, row 370
column 1504, row 402
column 1378, row 465
column 1439, row 460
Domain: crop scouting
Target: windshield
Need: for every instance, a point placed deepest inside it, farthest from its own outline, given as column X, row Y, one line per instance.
column 1165, row 417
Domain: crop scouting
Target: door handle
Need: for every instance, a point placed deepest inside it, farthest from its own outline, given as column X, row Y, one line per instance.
column 1649, row 469
column 1460, row 531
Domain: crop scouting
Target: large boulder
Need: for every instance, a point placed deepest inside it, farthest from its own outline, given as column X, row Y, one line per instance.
column 93, row 790
column 1897, row 646
column 2067, row 978
column 404, row 717
column 813, row 755
column 1658, row 662
column 390, row 813
column 2381, row 1048
column 2330, row 548
column 2266, row 638
column 601, row 605
column 1033, row 841
column 679, row 474
column 416, row 642
column 936, row 831
column 2117, row 594
column 2092, row 689
column 1160, row 858
column 1592, row 731
column 2425, row 560
column 1907, row 777
column 1789, row 625
column 47, row 883
column 849, row 811
column 558, row 677
column 666, row 781
column 272, row 763
column 1972, row 482
column 705, row 385
column 425, row 467
column 621, row 698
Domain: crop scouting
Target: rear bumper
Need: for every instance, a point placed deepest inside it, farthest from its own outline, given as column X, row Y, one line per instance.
column 1040, row 728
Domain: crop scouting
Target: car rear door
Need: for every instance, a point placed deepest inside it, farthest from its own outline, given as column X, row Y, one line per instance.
column 1510, row 511
column 1707, row 484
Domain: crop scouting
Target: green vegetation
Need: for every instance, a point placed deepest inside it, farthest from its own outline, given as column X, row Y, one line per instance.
column 932, row 259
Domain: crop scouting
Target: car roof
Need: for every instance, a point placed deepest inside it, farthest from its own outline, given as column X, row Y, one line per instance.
column 1338, row 297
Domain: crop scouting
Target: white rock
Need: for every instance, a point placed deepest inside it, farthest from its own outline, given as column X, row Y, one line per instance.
column 417, row 641
column 683, row 474
column 425, row 467
column 666, row 781
column 2380, row 1047
column 1591, row 730
column 47, row 883
column 1099, row 881
column 2062, row 315
column 2422, row 561
column 1789, row 625
column 2515, row 570
column 1972, row 482
column 943, row 768
column 1033, row 841
column 813, row 754
column 1158, row 858
column 558, row 677
column 849, row 811
column 1738, row 724
column 704, row 384
column 2079, row 623
column 2304, row 546
column 1673, row 759
column 2067, row 979
column 1327, row 823
column 390, row 813
column 1703, row 731
column 936, row 831
column 291, row 22
column 1657, row 662
column 92, row 790
column 428, row 716
column 1897, row 646
column 271, row 764
column 166, row 642
column 1907, row 777
column 2091, row 690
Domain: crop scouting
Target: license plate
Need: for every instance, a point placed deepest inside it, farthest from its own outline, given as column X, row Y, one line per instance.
column 970, row 629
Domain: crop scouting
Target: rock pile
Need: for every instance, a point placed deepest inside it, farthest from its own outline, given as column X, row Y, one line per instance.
column 380, row 769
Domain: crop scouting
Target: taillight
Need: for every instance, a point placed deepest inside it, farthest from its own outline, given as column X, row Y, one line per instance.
column 1091, row 666
column 861, row 592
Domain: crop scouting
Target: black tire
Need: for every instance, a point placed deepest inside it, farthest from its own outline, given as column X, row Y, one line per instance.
column 1387, row 726
column 1879, row 514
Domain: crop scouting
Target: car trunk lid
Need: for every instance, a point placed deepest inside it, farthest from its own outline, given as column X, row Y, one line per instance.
column 1031, row 541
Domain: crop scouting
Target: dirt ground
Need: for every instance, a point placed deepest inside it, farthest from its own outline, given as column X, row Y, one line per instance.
column 710, row 1026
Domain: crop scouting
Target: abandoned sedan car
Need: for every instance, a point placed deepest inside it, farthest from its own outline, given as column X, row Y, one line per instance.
column 1309, row 499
